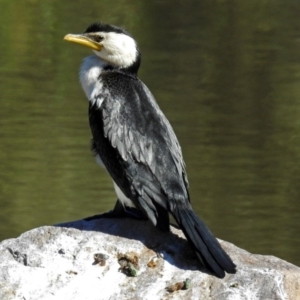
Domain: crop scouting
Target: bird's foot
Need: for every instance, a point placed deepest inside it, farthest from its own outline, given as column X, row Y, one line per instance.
column 120, row 211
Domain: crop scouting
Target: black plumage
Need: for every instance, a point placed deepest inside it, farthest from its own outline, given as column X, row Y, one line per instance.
column 139, row 149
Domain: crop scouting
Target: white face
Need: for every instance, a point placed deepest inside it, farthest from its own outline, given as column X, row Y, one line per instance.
column 118, row 49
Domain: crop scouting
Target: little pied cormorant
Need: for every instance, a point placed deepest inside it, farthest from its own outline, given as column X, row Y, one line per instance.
column 136, row 144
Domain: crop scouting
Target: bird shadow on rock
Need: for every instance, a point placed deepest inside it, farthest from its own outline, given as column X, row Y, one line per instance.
column 172, row 246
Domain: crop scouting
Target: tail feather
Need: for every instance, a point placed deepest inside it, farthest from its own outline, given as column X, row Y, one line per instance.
column 205, row 244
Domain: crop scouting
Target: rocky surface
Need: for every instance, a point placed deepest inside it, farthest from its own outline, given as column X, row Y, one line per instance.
column 128, row 259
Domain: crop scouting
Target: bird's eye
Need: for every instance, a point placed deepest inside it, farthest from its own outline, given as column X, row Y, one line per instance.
column 98, row 38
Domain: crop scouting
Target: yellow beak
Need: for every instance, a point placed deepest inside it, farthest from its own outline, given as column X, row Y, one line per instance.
column 83, row 40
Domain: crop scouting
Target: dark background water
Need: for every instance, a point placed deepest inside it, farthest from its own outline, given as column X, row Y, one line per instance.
column 226, row 74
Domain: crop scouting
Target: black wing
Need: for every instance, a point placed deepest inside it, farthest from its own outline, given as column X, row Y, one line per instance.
column 128, row 125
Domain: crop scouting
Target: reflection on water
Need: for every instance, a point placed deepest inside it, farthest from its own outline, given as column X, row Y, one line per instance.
column 227, row 77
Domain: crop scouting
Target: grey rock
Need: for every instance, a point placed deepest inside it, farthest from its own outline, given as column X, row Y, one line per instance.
column 129, row 259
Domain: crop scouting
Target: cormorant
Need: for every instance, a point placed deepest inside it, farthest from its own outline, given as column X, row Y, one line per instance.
column 136, row 144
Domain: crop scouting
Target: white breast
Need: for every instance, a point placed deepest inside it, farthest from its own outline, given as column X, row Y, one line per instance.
column 89, row 73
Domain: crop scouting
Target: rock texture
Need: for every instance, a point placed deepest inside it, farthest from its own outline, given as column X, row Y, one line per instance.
column 128, row 259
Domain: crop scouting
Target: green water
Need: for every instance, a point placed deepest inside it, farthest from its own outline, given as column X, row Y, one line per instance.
column 226, row 74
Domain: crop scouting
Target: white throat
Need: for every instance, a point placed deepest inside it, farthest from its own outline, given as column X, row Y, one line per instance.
column 89, row 73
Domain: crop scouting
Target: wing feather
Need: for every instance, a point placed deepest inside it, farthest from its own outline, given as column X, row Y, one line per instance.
column 135, row 126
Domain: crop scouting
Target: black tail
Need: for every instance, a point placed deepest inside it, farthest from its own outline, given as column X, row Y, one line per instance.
column 205, row 244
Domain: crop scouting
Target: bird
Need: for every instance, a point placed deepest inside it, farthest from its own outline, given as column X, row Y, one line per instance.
column 134, row 141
